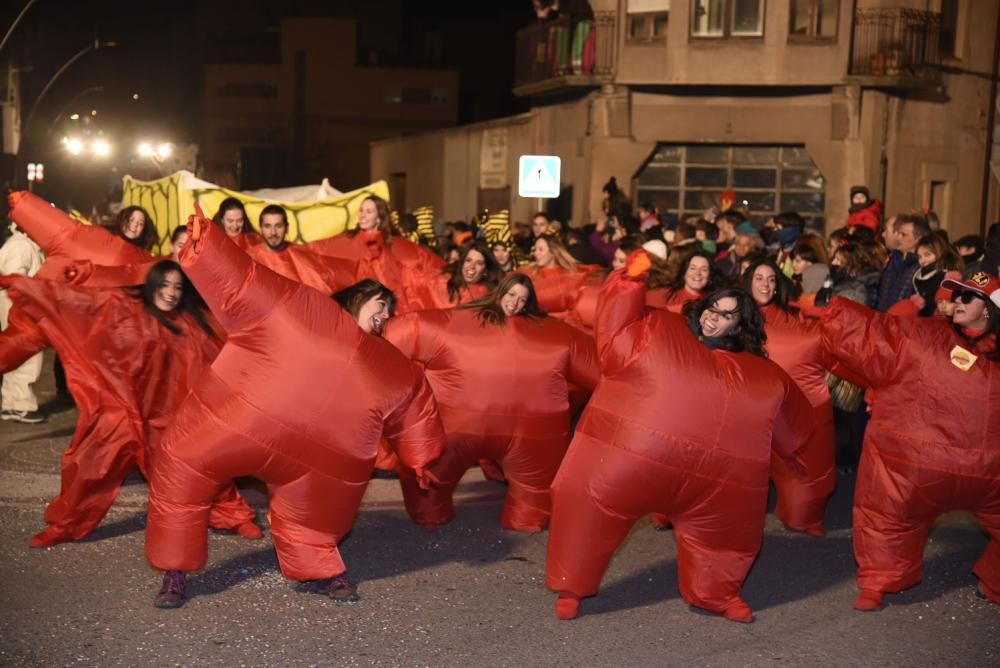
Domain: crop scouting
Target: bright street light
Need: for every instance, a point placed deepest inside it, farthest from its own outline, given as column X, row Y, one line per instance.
column 145, row 150
column 164, row 150
column 101, row 148
column 74, row 146
column 74, row 117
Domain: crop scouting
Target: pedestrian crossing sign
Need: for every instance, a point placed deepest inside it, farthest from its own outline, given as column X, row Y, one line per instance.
column 538, row 176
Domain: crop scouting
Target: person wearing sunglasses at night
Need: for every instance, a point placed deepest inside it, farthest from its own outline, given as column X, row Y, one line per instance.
column 945, row 453
column 682, row 422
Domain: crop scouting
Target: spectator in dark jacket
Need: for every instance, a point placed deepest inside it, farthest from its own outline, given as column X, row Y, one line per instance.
column 897, row 278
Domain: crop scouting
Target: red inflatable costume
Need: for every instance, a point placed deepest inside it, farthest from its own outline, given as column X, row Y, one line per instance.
column 796, row 347
column 63, row 240
column 557, row 287
column 503, row 393
column 932, row 445
column 298, row 397
column 401, row 265
column 298, row 263
column 127, row 372
column 678, row 428
column 433, row 293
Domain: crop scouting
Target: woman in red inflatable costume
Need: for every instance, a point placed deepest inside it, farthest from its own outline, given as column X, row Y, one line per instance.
column 944, row 453
column 797, row 347
column 399, row 264
column 130, row 357
column 298, row 397
column 500, row 370
column 682, row 422
column 233, row 219
column 63, row 240
column 696, row 277
column 556, row 275
column 472, row 277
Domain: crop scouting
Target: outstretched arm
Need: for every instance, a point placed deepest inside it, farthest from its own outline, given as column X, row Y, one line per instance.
column 864, row 343
column 620, row 310
column 21, row 339
column 239, row 291
column 584, row 368
column 414, row 430
column 417, row 334
column 793, row 426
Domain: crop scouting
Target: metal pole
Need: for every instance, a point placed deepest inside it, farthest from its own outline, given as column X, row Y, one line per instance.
column 990, row 121
column 14, row 24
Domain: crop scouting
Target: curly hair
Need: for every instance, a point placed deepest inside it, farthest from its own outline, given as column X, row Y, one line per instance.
column 490, row 310
column 146, row 239
column 456, row 281
column 716, row 279
column 748, row 336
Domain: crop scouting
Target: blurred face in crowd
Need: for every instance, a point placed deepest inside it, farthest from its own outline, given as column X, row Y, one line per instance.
column 906, row 240
column 168, row 295
column 473, row 267
column 454, row 255
column 178, row 245
column 832, row 244
column 763, row 283
column 373, row 315
column 742, row 246
column 837, row 259
column 971, row 315
column 233, row 222
column 858, row 198
column 799, row 264
column 720, row 318
column 501, row 254
column 618, row 261
column 368, row 216
column 133, row 227
column 539, row 225
column 543, row 254
column 925, row 256
column 889, row 237
column 514, row 301
column 273, row 228
column 697, row 274
column 726, row 230
column 966, row 251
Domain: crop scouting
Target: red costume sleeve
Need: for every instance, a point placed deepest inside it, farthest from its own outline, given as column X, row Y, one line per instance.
column 792, row 426
column 298, row 263
column 21, row 339
column 414, row 430
column 619, row 320
column 417, row 335
column 862, row 341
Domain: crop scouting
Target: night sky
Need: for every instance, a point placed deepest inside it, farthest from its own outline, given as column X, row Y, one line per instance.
column 161, row 46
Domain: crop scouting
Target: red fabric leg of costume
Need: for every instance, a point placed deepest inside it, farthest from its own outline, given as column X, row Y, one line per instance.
column 802, row 499
column 718, row 527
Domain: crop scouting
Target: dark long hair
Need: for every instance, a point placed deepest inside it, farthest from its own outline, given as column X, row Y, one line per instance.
column 189, row 303
column 229, row 204
column 384, row 222
column 489, row 309
column 783, row 287
column 352, row 298
column 992, row 327
column 715, row 278
column 454, row 270
column 146, row 239
column 747, row 336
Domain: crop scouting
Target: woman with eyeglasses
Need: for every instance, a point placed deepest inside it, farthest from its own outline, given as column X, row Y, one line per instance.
column 933, row 442
column 501, row 371
column 682, row 422
column 796, row 346
column 130, row 357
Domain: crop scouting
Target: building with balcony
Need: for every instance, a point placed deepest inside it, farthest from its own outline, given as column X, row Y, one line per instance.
column 310, row 109
column 788, row 103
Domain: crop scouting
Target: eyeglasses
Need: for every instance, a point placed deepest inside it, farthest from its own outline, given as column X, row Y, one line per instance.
column 967, row 296
column 725, row 315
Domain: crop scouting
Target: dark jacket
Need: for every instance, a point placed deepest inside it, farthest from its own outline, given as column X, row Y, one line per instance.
column 897, row 280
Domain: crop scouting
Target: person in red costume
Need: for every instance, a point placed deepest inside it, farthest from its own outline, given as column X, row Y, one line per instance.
column 298, row 397
column 683, row 422
column 696, row 277
column 233, row 219
column 400, row 265
column 865, row 211
column 944, row 454
column 796, row 346
column 474, row 275
column 296, row 262
column 517, row 414
column 556, row 275
column 130, row 357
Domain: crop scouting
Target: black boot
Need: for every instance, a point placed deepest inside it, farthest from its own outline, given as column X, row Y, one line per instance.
column 173, row 594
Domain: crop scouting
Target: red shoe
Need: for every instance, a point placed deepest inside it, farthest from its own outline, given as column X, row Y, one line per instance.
column 869, row 600
column 250, row 531
column 567, row 605
column 739, row 612
column 49, row 537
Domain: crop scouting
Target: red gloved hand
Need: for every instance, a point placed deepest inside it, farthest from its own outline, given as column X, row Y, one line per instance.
column 918, row 301
column 14, row 197
column 426, row 479
column 637, row 264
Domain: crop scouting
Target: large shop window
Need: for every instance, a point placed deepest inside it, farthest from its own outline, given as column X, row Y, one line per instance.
column 727, row 18
column 687, row 180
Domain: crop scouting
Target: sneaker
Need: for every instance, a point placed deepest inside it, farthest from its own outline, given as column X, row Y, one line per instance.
column 27, row 417
column 340, row 589
column 173, row 592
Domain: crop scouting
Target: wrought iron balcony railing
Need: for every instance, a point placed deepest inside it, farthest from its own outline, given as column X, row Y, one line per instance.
column 562, row 53
column 902, row 43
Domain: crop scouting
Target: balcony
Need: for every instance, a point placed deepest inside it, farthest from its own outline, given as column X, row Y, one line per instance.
column 896, row 49
column 556, row 55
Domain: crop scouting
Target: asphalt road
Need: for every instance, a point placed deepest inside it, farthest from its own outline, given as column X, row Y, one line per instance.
column 468, row 594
